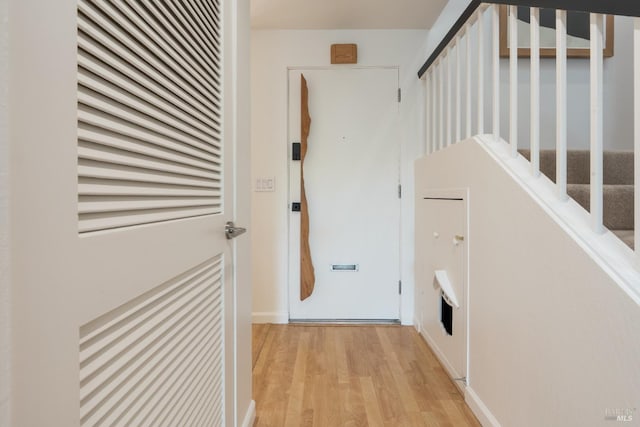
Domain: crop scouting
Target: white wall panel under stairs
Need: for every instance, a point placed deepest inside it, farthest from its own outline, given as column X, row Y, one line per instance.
column 554, row 314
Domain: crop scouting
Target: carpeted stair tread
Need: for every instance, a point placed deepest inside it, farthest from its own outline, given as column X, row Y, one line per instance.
column 626, row 236
column 618, row 166
column 618, row 190
column 618, row 203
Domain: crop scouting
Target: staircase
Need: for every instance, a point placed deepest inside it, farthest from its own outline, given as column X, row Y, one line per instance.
column 618, row 185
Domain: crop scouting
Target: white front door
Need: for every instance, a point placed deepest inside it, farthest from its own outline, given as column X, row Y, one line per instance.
column 121, row 156
column 351, row 179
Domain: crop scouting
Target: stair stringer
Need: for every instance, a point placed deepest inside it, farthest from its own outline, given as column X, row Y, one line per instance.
column 554, row 308
column 606, row 249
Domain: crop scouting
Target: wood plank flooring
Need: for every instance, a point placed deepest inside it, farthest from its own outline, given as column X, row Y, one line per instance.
column 330, row 376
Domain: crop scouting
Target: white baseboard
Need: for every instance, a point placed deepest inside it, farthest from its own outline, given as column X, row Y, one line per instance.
column 442, row 359
column 477, row 406
column 417, row 326
column 250, row 416
column 479, row 409
column 270, row 317
column 406, row 321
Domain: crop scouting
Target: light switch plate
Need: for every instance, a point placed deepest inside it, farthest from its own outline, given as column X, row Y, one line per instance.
column 265, row 184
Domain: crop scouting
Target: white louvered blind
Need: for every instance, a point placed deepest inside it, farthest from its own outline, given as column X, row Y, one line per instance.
column 149, row 112
column 158, row 360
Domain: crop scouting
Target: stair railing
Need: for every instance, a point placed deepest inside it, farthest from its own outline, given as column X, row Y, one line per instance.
column 445, row 112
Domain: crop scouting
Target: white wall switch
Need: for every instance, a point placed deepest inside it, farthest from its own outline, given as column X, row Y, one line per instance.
column 264, row 184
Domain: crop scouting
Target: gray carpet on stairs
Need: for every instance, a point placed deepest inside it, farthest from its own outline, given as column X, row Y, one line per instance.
column 618, row 185
column 618, row 202
column 618, row 166
column 626, row 236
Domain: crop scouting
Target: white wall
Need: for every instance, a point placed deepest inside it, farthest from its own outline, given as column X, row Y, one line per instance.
column 449, row 15
column 618, row 97
column 5, row 278
column 553, row 339
column 272, row 52
column 618, row 100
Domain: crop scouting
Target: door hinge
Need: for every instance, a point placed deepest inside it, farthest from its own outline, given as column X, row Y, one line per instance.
column 399, row 95
column 400, row 287
column 399, row 191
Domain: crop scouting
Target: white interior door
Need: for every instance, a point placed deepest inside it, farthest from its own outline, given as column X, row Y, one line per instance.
column 121, row 188
column 351, row 180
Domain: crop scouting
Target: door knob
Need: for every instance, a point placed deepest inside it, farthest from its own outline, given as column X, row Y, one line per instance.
column 231, row 231
column 457, row 239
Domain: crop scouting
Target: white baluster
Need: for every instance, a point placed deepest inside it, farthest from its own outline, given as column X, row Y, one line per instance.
column 448, row 121
column 597, row 136
column 436, row 113
column 561, row 103
column 480, row 71
column 441, row 143
column 468, row 80
column 535, row 90
column 636, row 61
column 513, row 79
column 433, row 110
column 458, row 92
column 495, row 12
column 427, row 112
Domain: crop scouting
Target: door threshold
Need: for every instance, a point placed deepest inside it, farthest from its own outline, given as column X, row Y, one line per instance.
column 344, row 321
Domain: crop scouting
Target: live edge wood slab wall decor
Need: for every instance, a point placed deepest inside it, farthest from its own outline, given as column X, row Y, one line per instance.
column 307, row 274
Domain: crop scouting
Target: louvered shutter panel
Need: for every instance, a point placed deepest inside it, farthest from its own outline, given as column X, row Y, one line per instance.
column 149, row 112
column 158, row 360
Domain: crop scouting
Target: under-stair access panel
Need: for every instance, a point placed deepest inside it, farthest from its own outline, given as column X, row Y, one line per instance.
column 441, row 259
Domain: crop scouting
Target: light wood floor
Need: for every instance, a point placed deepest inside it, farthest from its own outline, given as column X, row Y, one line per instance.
column 330, row 376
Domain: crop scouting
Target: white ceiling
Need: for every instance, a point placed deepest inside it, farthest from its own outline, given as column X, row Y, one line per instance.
column 344, row 14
